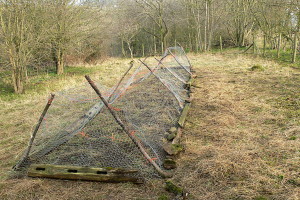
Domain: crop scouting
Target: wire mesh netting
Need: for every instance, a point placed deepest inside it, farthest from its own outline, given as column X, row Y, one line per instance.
column 79, row 130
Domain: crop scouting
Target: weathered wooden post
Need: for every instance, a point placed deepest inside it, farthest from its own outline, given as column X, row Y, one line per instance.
column 25, row 156
column 127, row 131
column 174, row 94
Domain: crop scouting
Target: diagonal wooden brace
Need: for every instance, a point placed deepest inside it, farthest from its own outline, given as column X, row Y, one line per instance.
column 25, row 157
column 174, row 94
column 126, row 130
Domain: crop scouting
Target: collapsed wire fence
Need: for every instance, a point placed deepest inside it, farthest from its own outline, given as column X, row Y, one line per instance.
column 124, row 128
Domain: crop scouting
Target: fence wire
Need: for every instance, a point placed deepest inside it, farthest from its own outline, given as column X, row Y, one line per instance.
column 79, row 130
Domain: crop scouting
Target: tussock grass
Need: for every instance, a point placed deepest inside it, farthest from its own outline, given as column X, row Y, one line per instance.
column 241, row 138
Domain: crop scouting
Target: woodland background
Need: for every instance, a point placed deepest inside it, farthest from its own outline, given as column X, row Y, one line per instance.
column 44, row 36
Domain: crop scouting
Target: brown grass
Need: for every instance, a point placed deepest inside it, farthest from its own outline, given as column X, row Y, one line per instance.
column 241, row 137
column 238, row 139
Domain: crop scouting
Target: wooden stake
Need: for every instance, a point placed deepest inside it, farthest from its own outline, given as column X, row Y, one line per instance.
column 25, row 157
column 221, row 44
column 175, row 75
column 180, row 104
column 178, row 61
column 265, row 44
column 126, row 130
column 131, row 65
column 248, row 48
column 185, row 55
column 294, row 47
column 76, row 127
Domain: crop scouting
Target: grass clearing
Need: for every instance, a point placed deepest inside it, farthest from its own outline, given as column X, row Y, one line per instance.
column 242, row 137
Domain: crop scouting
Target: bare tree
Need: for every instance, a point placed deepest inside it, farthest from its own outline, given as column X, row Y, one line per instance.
column 67, row 19
column 20, row 35
column 155, row 12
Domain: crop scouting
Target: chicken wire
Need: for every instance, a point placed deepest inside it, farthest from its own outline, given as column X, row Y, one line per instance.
column 79, row 130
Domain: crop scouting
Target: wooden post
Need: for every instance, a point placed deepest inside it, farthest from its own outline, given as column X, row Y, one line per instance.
column 131, row 65
column 174, row 74
column 143, row 48
column 254, row 43
column 185, row 55
column 221, row 44
column 248, row 48
column 295, row 47
column 178, row 61
column 155, row 50
column 24, row 158
column 180, row 103
column 127, row 131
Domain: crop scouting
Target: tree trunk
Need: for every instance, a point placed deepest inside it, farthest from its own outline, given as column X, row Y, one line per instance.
column 17, row 77
column 210, row 25
column 123, row 49
column 205, row 25
column 199, row 30
column 295, row 47
column 279, row 46
column 130, row 49
column 265, row 44
column 59, row 61
column 17, row 74
column 154, row 42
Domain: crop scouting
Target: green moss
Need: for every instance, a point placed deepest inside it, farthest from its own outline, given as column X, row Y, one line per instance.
column 293, row 138
column 280, row 177
column 173, row 130
column 163, row 197
column 109, row 168
column 177, row 147
column 171, row 187
column 295, row 182
column 171, row 136
column 169, row 164
column 257, row 68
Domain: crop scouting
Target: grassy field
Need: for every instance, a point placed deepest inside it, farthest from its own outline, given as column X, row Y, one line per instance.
column 242, row 136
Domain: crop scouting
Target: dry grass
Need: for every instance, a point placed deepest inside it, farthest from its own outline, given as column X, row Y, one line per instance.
column 241, row 137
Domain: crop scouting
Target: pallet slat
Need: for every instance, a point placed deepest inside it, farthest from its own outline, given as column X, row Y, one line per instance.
column 82, row 173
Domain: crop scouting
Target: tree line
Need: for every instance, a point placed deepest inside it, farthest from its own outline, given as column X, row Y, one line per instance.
column 39, row 35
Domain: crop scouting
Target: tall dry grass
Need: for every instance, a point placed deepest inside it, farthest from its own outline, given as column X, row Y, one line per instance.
column 241, row 137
